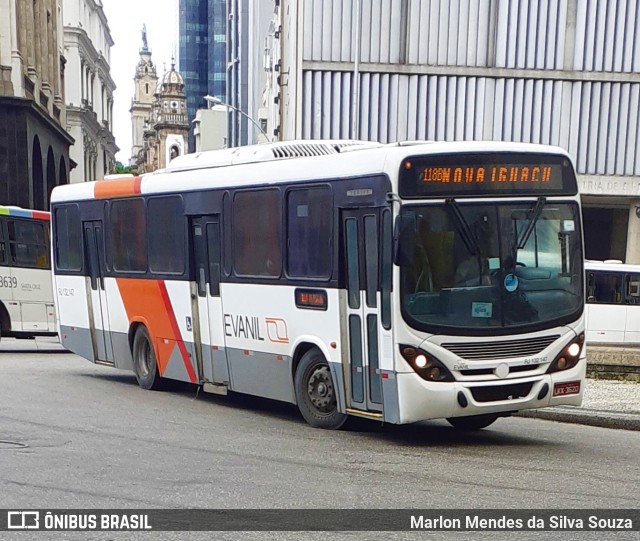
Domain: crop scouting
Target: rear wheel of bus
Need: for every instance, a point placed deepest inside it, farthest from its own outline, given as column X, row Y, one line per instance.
column 316, row 392
column 473, row 422
column 145, row 365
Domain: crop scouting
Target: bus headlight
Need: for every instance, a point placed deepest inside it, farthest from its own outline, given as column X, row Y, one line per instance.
column 425, row 365
column 569, row 356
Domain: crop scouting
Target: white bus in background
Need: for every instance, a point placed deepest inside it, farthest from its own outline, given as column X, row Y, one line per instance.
column 26, row 296
column 397, row 282
column 613, row 302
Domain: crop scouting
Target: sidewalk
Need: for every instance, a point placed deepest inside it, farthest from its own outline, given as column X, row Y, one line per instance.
column 609, row 404
column 41, row 344
column 606, row 403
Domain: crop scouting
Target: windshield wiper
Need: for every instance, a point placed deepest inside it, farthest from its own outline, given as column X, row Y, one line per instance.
column 533, row 219
column 467, row 235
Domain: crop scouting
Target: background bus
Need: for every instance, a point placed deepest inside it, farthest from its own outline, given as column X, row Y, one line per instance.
column 26, row 296
column 613, row 302
column 276, row 270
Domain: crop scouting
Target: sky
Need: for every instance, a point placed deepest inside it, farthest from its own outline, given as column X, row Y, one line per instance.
column 125, row 18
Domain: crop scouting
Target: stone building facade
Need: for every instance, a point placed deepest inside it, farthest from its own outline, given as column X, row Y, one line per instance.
column 89, row 89
column 34, row 144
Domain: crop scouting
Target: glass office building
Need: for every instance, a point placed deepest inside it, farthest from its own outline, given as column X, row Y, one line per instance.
column 202, row 55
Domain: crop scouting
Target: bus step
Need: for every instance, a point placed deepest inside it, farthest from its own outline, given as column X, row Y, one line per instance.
column 215, row 388
column 367, row 414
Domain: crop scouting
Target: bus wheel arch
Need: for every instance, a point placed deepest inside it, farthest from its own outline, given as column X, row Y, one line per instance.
column 145, row 364
column 132, row 333
column 316, row 391
column 5, row 320
column 299, row 352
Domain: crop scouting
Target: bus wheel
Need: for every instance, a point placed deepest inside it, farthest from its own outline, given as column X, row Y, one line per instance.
column 472, row 422
column 144, row 360
column 315, row 392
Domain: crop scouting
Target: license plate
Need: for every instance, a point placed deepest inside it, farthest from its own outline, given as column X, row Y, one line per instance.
column 563, row 389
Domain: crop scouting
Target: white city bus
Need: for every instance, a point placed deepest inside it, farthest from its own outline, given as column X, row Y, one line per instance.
column 26, row 296
column 613, row 303
column 335, row 275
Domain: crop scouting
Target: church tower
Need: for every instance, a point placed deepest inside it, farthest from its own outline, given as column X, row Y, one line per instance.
column 170, row 116
column 146, row 82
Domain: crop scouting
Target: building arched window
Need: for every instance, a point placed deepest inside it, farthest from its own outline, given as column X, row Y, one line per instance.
column 146, row 88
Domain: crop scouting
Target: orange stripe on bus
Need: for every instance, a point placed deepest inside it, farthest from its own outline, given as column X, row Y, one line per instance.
column 117, row 188
column 147, row 301
column 176, row 330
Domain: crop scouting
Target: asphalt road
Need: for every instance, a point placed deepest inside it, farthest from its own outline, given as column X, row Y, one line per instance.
column 78, row 435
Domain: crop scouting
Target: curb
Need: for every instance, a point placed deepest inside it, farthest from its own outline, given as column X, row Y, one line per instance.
column 582, row 416
column 31, row 345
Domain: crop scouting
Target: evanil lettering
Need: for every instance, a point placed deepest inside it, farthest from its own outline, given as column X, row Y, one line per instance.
column 238, row 326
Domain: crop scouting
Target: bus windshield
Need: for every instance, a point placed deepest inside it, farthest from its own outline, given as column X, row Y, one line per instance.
column 492, row 266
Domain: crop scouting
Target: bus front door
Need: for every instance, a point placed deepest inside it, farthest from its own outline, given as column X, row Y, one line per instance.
column 361, row 241
column 98, row 309
column 207, row 305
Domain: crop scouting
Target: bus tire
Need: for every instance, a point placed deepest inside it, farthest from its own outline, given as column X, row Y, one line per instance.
column 144, row 360
column 473, row 422
column 315, row 392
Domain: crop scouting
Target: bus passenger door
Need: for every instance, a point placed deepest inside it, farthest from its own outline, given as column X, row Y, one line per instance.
column 98, row 310
column 210, row 344
column 361, row 249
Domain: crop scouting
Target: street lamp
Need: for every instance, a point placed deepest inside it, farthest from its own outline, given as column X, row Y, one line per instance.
column 217, row 101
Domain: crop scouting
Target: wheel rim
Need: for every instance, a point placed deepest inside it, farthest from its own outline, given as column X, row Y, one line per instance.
column 145, row 359
column 320, row 390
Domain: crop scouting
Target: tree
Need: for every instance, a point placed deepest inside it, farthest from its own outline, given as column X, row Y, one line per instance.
column 122, row 169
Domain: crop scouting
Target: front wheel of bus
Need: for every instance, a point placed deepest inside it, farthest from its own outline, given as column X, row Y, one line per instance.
column 144, row 360
column 472, row 422
column 316, row 393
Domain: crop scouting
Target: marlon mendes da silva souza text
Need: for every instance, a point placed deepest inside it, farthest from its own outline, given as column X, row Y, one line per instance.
column 554, row 522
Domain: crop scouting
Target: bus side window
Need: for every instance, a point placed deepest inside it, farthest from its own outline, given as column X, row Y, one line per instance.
column 605, row 288
column 633, row 288
column 3, row 246
column 591, row 288
column 617, row 288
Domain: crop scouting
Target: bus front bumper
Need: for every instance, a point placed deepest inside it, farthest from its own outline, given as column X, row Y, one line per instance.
column 420, row 400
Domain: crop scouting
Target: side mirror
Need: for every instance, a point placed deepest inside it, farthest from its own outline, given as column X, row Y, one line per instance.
column 403, row 236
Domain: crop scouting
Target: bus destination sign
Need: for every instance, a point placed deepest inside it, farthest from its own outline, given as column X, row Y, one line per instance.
column 465, row 175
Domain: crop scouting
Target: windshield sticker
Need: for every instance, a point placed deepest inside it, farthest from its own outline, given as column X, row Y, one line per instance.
column 568, row 226
column 481, row 309
column 511, row 282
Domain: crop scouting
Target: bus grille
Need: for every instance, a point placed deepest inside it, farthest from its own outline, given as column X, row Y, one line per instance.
column 500, row 349
column 495, row 393
column 489, row 371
